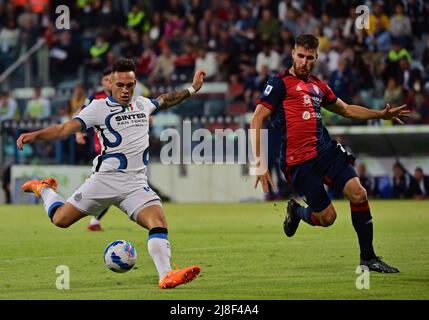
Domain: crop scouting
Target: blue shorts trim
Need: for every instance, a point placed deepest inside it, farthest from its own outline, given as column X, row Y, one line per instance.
column 158, row 235
column 54, row 206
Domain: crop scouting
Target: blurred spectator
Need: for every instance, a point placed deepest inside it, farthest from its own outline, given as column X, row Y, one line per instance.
column 157, row 27
column 204, row 26
column 324, row 43
column 38, row 107
column 291, row 22
column 425, row 58
column 132, row 48
column 418, row 101
column 379, row 40
column 146, row 62
column 420, row 188
column 173, row 23
column 138, row 19
column 185, row 63
column 406, row 75
column 367, row 181
column 268, row 27
column 105, row 16
column 235, row 88
column 393, row 94
column 207, row 62
column 164, row 67
column 377, row 16
column 268, row 57
column 6, row 179
column 415, row 9
column 65, row 56
column 9, row 40
column 401, row 182
column 350, row 31
column 28, row 23
column 8, row 107
column 77, row 100
column 98, row 53
column 63, row 114
column 307, row 23
column 243, row 26
column 400, row 26
column 398, row 52
column 341, row 82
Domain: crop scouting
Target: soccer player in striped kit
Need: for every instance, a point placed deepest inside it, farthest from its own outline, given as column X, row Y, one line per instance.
column 308, row 156
column 120, row 172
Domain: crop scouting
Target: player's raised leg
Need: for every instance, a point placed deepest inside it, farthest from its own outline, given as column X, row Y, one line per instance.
column 362, row 222
column 62, row 214
column 94, row 223
column 319, row 212
column 153, row 219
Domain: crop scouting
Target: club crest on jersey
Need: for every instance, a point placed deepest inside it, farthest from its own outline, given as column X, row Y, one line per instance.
column 267, row 90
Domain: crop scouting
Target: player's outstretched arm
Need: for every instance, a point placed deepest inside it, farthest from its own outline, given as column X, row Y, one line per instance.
column 169, row 99
column 361, row 113
column 54, row 132
column 262, row 173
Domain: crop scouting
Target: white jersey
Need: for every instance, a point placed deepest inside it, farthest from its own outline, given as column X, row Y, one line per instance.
column 123, row 133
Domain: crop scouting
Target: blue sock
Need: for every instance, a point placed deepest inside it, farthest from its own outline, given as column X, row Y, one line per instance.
column 306, row 214
column 52, row 201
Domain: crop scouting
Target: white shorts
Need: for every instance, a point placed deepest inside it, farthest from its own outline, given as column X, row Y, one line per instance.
column 130, row 192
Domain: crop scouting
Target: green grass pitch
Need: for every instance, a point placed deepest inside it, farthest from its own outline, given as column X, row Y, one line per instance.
column 241, row 248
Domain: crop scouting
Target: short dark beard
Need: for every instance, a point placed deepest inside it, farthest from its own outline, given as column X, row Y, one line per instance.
column 299, row 75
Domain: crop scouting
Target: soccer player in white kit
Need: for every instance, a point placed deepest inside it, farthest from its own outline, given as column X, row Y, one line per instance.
column 119, row 173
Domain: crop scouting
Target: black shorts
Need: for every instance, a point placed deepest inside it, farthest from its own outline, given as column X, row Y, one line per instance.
column 332, row 167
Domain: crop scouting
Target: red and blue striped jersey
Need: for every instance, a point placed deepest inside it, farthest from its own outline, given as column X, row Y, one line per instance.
column 296, row 106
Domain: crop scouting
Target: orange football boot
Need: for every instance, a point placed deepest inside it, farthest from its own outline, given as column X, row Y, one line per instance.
column 177, row 277
column 36, row 186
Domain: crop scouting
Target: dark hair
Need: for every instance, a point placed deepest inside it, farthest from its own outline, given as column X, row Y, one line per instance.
column 107, row 71
column 419, row 169
column 307, row 41
column 123, row 65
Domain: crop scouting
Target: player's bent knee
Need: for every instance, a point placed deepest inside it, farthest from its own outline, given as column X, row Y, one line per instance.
column 151, row 217
column 61, row 222
column 328, row 218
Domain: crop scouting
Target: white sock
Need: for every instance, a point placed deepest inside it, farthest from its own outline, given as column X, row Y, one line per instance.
column 94, row 221
column 160, row 252
column 52, row 200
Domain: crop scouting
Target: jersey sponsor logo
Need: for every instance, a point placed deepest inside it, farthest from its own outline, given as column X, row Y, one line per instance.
column 306, row 115
column 267, row 90
column 130, row 116
column 307, row 100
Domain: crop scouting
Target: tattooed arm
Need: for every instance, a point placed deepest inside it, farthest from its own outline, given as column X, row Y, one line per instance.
column 169, row 99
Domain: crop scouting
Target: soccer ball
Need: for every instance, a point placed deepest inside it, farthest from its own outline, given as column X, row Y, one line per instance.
column 120, row 256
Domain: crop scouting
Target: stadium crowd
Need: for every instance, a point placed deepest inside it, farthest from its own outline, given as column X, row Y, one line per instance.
column 239, row 42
